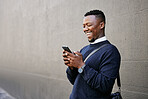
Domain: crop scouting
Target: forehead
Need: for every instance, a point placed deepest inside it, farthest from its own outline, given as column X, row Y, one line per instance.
column 89, row 18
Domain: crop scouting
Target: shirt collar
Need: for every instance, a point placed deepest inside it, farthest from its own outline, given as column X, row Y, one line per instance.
column 99, row 40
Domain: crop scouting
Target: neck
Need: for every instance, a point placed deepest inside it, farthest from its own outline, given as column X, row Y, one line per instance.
column 101, row 34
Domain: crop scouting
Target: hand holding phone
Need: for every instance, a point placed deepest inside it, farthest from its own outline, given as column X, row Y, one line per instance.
column 66, row 48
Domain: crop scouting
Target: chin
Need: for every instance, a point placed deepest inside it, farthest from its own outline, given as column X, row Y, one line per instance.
column 91, row 40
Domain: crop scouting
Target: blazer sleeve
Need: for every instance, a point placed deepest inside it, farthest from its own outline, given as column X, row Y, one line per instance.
column 103, row 79
column 72, row 74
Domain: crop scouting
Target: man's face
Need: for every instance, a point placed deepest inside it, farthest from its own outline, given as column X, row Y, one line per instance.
column 92, row 27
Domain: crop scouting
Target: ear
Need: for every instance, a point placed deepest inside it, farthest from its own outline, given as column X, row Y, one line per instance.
column 102, row 25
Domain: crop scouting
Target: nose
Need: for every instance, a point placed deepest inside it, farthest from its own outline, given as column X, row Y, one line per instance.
column 85, row 29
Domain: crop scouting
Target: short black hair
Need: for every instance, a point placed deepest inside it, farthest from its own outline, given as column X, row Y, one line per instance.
column 97, row 13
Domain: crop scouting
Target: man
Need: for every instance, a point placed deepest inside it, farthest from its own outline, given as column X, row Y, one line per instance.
column 93, row 79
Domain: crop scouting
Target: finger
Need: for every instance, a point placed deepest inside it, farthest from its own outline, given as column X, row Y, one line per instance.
column 71, row 58
column 70, row 54
column 66, row 62
column 65, row 54
column 63, row 51
column 69, row 65
column 66, row 59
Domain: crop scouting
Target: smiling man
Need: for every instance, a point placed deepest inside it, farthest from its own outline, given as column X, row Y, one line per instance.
column 94, row 78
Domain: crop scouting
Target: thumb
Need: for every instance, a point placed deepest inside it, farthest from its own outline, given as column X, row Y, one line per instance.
column 78, row 53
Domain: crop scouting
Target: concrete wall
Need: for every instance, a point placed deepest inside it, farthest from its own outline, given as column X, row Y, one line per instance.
column 33, row 31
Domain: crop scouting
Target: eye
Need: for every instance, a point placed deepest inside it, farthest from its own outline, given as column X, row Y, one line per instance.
column 89, row 25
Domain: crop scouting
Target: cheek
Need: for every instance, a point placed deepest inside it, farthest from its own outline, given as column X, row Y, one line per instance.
column 94, row 33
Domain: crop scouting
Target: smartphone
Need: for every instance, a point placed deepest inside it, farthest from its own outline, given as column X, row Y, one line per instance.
column 66, row 48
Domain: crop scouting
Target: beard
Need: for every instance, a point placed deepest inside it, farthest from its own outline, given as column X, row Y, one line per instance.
column 92, row 40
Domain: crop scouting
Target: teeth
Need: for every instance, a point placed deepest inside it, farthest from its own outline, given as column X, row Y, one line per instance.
column 88, row 32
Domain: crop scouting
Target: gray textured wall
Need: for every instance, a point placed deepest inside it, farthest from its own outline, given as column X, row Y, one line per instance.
column 33, row 31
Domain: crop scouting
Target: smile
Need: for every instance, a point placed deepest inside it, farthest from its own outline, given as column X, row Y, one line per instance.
column 88, row 34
